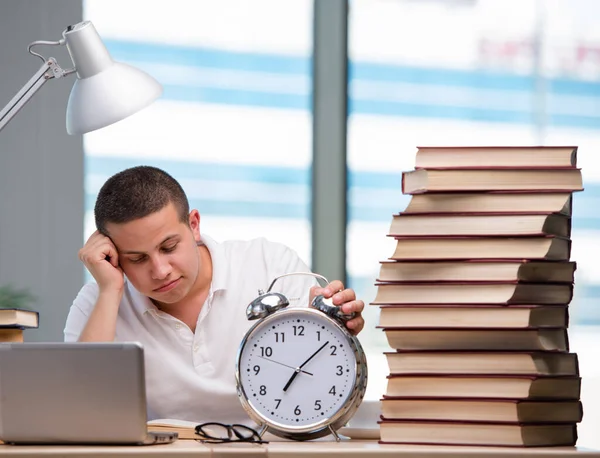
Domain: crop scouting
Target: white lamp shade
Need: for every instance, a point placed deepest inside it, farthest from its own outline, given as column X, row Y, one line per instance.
column 109, row 96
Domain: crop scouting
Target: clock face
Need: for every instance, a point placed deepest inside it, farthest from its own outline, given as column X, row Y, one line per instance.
column 297, row 369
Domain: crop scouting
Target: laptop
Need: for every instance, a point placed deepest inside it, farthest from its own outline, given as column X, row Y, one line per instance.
column 74, row 393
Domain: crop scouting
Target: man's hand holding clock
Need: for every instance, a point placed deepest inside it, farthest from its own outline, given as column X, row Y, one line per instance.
column 344, row 298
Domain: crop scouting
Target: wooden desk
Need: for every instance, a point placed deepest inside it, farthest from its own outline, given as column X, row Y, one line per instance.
column 350, row 448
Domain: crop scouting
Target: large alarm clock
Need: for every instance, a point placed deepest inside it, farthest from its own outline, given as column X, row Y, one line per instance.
column 300, row 373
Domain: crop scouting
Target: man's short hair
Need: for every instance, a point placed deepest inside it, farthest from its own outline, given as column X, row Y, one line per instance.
column 138, row 192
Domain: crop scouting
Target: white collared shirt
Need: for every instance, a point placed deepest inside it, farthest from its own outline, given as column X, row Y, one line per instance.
column 191, row 375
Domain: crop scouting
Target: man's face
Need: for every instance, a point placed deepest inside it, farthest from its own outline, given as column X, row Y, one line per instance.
column 158, row 253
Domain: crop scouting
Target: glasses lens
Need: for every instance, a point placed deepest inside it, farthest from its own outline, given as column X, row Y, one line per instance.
column 244, row 433
column 215, row 431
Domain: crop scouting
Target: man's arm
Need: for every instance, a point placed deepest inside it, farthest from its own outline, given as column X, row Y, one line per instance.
column 101, row 259
column 102, row 323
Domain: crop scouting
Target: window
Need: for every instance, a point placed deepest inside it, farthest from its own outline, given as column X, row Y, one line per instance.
column 234, row 122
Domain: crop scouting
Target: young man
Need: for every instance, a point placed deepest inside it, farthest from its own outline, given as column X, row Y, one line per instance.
column 159, row 281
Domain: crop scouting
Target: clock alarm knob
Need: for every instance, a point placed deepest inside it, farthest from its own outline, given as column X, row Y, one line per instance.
column 326, row 306
column 265, row 304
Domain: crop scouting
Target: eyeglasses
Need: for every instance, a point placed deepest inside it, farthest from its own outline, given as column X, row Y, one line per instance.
column 219, row 433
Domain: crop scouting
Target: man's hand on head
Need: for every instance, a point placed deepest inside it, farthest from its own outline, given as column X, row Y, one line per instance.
column 101, row 258
column 344, row 298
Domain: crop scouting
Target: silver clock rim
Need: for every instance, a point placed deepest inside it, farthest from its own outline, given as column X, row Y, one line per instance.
column 320, row 428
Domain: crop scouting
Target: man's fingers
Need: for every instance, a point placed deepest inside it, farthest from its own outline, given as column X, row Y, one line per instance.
column 332, row 288
column 356, row 325
column 353, row 306
column 99, row 248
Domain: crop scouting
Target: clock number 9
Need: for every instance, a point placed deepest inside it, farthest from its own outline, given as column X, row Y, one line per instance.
column 257, row 369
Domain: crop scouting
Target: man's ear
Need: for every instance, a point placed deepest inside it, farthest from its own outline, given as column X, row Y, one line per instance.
column 194, row 221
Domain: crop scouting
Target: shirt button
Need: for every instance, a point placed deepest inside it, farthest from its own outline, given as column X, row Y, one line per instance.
column 196, row 347
column 177, row 326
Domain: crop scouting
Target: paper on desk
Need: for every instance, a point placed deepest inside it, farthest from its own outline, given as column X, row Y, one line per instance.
column 186, row 429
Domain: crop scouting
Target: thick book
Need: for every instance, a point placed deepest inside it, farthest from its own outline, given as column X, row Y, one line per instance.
column 483, row 362
column 473, row 316
column 478, row 270
column 481, row 410
column 435, row 225
column 431, row 157
column 483, row 434
column 486, row 339
column 452, row 180
column 11, row 334
column 19, row 318
column 473, row 293
column 491, row 202
column 550, row 248
column 483, row 386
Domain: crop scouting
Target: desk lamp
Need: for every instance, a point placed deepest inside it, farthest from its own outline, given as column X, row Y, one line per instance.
column 105, row 91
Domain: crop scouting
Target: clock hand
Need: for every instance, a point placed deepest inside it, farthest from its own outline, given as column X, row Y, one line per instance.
column 277, row 362
column 299, row 368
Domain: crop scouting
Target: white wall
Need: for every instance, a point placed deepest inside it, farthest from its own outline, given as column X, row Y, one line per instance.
column 41, row 168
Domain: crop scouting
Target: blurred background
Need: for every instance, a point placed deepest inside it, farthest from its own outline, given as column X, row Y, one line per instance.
column 235, row 125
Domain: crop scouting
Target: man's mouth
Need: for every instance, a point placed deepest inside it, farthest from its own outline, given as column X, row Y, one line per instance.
column 167, row 286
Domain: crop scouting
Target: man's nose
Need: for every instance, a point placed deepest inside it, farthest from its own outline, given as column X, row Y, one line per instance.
column 160, row 268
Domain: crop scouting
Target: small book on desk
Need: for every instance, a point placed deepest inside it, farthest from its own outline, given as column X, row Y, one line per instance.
column 13, row 321
column 19, row 318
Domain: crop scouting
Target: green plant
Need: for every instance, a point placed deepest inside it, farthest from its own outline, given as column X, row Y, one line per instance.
column 12, row 298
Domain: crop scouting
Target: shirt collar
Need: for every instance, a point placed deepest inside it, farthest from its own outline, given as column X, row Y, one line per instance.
column 220, row 267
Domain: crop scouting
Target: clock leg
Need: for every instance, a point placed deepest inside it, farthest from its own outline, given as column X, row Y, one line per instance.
column 337, row 438
column 262, row 430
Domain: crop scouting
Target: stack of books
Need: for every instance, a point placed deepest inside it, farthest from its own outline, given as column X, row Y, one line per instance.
column 474, row 300
column 14, row 321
